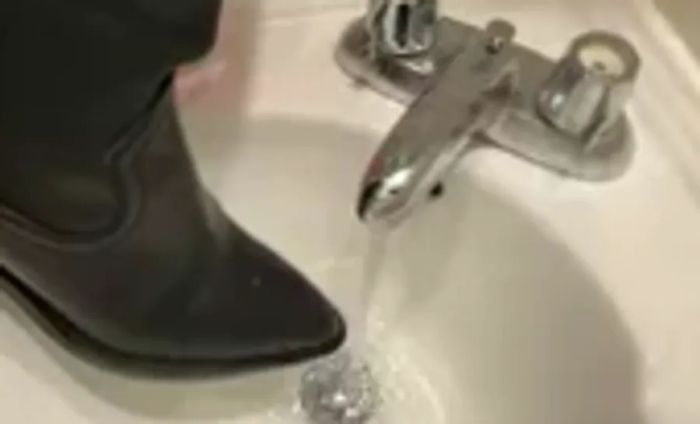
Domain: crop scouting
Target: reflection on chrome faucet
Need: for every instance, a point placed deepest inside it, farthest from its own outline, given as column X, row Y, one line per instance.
column 438, row 127
column 464, row 84
column 402, row 27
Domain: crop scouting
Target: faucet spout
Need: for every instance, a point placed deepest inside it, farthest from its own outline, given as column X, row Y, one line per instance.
column 428, row 141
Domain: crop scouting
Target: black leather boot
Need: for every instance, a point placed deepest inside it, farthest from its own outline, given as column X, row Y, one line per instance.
column 106, row 235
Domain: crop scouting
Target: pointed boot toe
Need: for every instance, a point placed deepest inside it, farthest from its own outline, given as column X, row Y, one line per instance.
column 107, row 237
column 170, row 287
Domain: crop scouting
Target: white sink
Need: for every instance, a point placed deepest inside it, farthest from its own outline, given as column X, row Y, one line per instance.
column 518, row 298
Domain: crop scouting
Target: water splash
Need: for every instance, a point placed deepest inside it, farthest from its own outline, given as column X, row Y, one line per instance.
column 340, row 390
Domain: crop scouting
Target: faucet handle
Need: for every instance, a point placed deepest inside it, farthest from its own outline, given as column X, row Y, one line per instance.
column 589, row 88
column 402, row 27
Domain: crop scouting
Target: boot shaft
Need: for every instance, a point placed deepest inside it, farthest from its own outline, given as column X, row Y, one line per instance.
column 77, row 81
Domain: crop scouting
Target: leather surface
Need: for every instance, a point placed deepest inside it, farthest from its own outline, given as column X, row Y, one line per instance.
column 101, row 212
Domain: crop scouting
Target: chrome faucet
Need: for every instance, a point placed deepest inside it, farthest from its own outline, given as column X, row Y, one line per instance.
column 466, row 86
column 439, row 126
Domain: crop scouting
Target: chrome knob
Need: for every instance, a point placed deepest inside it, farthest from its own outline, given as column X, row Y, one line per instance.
column 402, row 27
column 589, row 88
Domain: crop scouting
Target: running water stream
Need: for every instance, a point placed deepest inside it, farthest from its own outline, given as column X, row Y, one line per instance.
column 343, row 389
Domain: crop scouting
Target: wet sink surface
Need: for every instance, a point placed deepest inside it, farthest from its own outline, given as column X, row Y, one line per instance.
column 518, row 298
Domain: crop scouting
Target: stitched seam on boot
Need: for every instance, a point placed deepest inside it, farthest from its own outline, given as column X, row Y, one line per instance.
column 121, row 158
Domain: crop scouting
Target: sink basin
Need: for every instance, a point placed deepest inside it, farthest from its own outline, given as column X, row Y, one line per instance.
column 519, row 297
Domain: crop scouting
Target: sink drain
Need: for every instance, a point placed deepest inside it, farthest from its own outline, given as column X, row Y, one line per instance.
column 340, row 390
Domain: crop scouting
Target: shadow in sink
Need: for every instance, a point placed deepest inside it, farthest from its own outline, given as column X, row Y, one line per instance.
column 505, row 325
column 509, row 325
